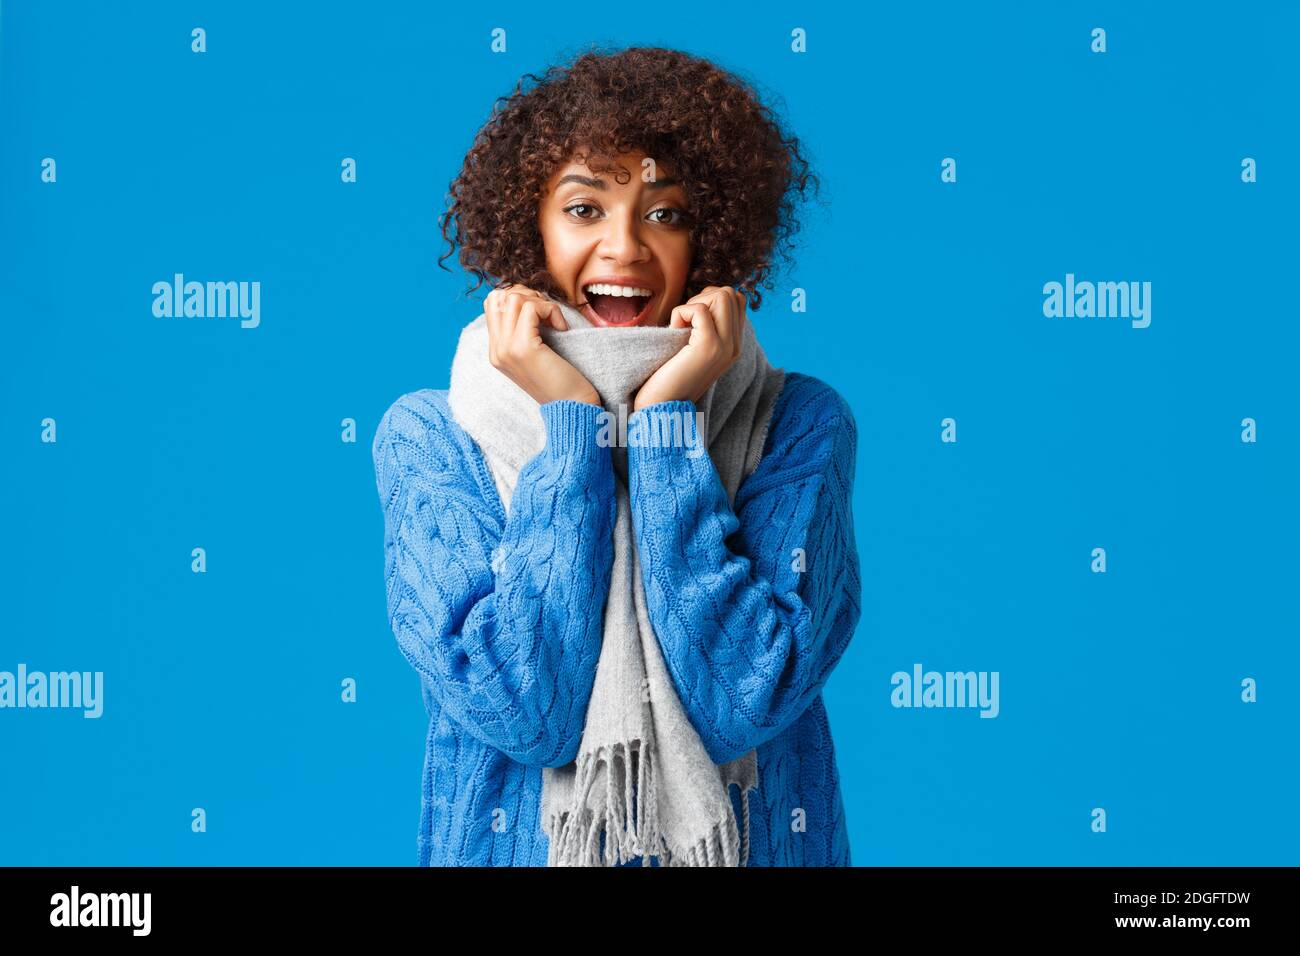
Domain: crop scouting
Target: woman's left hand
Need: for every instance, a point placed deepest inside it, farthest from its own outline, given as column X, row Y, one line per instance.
column 716, row 318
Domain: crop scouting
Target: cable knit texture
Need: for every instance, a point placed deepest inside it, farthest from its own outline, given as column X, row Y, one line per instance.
column 753, row 609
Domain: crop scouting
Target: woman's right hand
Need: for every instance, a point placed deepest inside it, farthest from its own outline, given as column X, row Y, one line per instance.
column 515, row 346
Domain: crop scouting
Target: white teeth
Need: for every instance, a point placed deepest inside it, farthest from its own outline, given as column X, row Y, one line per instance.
column 601, row 288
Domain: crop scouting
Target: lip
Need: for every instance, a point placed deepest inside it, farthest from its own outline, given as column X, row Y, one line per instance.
column 595, row 319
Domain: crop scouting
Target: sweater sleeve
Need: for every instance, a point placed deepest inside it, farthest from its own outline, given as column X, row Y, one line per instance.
column 500, row 615
column 754, row 607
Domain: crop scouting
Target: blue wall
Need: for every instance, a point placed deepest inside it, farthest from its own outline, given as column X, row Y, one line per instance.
column 1119, row 690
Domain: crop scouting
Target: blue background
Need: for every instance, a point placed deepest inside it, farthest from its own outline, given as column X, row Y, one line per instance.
column 222, row 690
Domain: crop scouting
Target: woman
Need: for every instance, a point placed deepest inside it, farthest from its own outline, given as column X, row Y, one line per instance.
column 612, row 632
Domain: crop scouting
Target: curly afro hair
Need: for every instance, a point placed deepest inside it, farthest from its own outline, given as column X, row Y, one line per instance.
column 742, row 173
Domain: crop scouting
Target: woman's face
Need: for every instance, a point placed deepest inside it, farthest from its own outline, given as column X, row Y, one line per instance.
column 610, row 231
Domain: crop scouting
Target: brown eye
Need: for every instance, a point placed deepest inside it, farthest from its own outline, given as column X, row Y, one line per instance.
column 679, row 220
column 579, row 205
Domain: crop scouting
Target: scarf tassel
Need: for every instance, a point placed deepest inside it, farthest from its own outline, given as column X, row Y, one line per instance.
column 627, row 822
column 630, row 825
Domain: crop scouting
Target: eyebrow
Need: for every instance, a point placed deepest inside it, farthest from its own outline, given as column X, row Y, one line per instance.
column 591, row 183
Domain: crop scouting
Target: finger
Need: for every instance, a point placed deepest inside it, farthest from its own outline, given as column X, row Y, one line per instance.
column 525, row 329
column 704, row 328
column 548, row 309
column 742, row 301
column 702, row 297
column 691, row 313
column 510, row 307
column 715, row 309
column 492, row 314
column 722, row 307
column 528, row 335
column 742, row 317
column 552, row 312
column 681, row 317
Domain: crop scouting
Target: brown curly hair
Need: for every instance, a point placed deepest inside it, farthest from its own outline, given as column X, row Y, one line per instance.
column 741, row 171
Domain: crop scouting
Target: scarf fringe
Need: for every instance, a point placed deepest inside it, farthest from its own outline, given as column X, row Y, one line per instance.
column 630, row 825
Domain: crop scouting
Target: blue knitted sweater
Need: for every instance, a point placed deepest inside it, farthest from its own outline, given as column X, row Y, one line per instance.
column 752, row 608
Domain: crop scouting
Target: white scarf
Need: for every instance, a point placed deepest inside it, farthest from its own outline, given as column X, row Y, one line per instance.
column 633, row 748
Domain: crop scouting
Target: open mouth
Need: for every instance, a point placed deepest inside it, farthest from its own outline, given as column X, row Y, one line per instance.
column 614, row 305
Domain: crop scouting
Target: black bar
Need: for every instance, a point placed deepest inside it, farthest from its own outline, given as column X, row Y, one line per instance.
column 333, row 904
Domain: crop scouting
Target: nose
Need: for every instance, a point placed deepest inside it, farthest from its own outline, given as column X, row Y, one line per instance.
column 621, row 241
